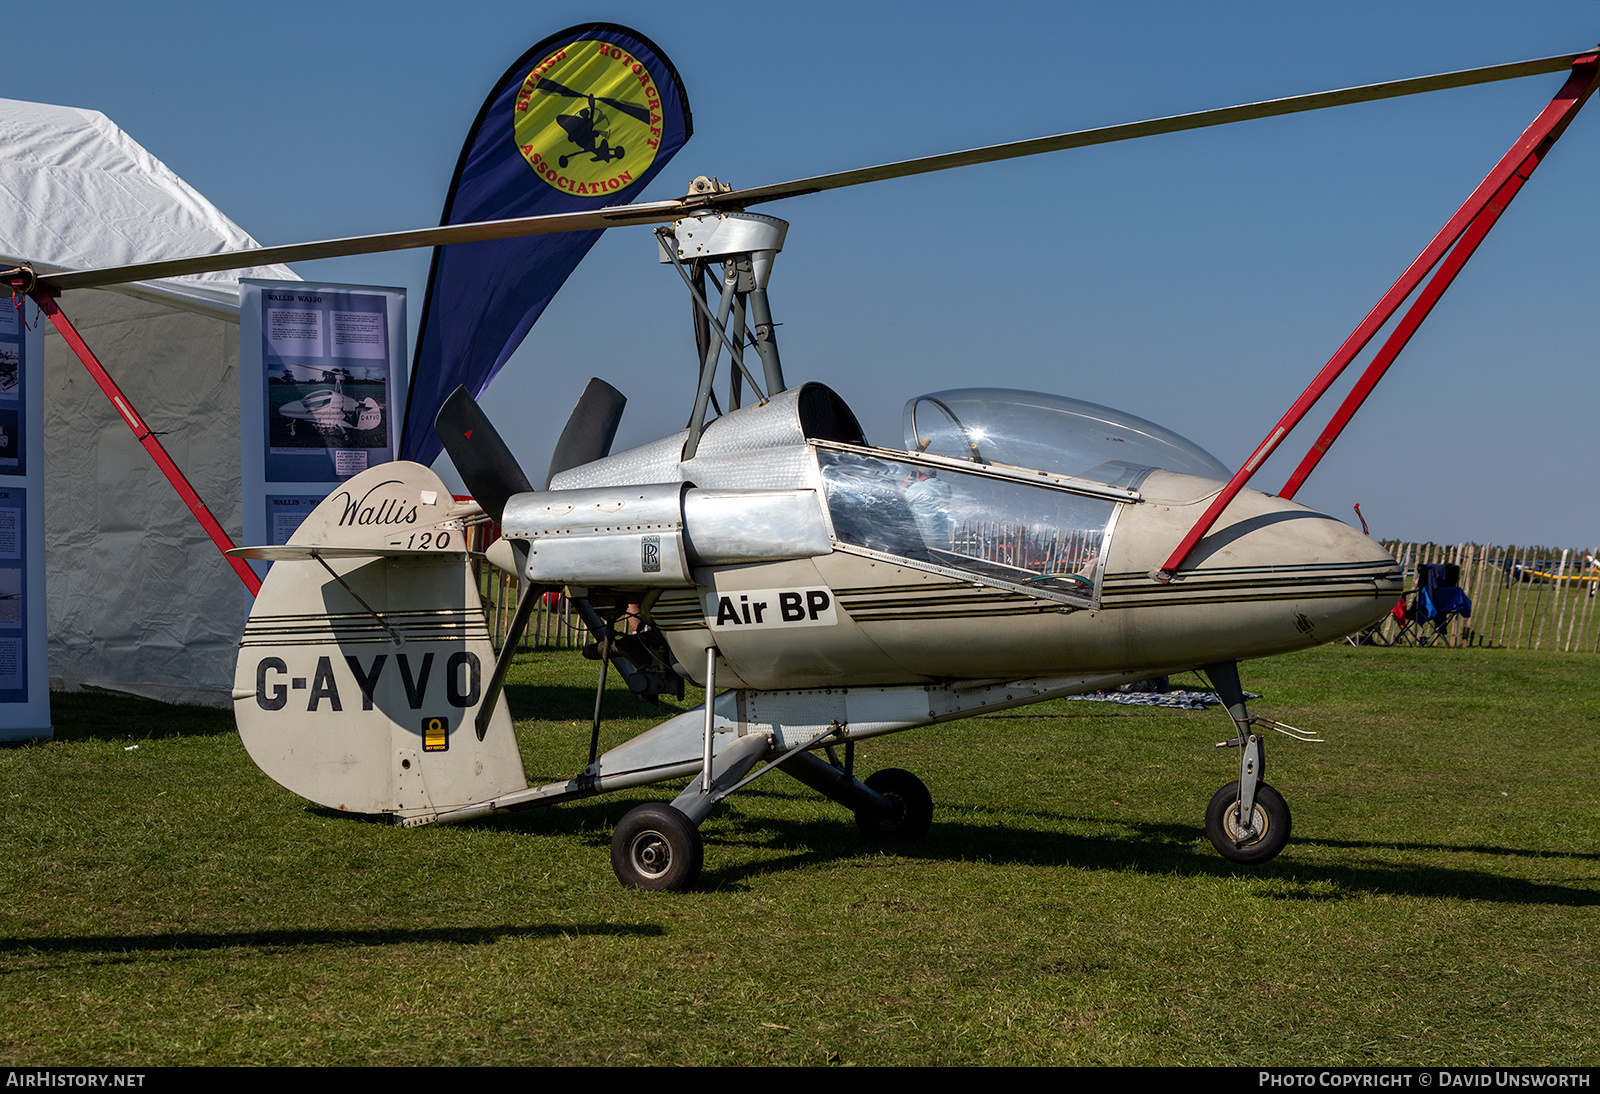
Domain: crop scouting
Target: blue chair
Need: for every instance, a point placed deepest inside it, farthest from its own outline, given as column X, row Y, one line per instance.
column 1437, row 599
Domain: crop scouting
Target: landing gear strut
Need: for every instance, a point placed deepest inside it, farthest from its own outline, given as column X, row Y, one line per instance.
column 1247, row 821
column 891, row 805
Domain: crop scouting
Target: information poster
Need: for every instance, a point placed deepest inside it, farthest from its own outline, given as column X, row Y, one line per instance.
column 13, row 595
column 284, row 514
column 13, row 382
column 24, row 665
column 322, row 374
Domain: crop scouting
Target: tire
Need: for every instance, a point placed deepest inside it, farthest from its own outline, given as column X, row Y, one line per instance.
column 656, row 847
column 1222, row 823
column 913, row 807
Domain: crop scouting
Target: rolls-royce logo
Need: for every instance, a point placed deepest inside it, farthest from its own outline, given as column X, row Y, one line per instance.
column 650, row 555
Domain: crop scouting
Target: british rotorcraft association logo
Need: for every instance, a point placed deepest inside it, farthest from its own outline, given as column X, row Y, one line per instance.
column 588, row 118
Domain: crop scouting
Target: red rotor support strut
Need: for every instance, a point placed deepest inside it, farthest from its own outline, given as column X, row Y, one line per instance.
column 1463, row 232
column 47, row 304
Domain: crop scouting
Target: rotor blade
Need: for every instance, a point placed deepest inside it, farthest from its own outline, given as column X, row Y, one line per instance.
column 1082, row 138
column 487, row 466
column 651, row 212
column 590, row 430
column 550, row 87
column 629, row 109
column 662, row 212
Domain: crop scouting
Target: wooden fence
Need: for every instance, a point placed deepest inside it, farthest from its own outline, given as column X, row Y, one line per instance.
column 1522, row 597
column 554, row 625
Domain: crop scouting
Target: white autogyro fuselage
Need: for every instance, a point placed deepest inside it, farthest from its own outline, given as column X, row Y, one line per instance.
column 838, row 592
column 952, row 559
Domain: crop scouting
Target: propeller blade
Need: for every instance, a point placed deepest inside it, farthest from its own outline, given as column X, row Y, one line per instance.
column 662, row 212
column 486, row 465
column 590, row 430
column 527, row 597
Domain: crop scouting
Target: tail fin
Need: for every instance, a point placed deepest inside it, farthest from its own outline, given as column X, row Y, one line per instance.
column 366, row 656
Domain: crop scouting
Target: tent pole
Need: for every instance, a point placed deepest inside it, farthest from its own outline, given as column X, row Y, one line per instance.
column 47, row 304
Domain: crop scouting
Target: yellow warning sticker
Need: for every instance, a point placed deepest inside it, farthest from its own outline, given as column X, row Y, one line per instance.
column 435, row 734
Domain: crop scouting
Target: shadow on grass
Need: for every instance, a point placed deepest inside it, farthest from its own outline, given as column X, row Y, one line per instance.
column 566, row 703
column 99, row 716
column 1170, row 850
column 1454, row 849
column 197, row 941
column 1166, row 850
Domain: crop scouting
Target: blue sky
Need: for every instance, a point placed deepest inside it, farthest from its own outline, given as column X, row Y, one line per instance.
column 1198, row 279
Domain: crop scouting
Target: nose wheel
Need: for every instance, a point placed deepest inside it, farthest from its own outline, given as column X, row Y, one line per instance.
column 1260, row 838
column 1247, row 820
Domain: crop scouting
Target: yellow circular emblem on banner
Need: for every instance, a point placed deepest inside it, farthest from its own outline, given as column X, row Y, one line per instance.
column 588, row 119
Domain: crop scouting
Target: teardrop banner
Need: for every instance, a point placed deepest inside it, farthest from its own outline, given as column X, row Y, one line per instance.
column 584, row 119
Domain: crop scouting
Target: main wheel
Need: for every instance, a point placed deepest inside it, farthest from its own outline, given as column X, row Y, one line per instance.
column 1271, row 822
column 656, row 847
column 913, row 807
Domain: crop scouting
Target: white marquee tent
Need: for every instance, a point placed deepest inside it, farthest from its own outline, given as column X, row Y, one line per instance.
column 138, row 599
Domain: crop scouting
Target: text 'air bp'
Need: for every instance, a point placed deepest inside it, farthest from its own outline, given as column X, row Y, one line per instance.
column 809, row 607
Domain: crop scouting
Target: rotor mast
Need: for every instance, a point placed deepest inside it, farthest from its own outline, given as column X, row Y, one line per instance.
column 745, row 244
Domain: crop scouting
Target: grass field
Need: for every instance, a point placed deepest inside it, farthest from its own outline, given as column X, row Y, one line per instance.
column 167, row 904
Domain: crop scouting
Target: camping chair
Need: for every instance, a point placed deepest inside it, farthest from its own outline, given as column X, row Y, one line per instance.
column 1373, row 635
column 1437, row 599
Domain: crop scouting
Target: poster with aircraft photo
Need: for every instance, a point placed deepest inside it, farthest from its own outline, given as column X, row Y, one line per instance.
column 320, row 365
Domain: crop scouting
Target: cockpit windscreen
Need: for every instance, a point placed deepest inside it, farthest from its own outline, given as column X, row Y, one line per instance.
column 1050, row 433
column 1027, row 536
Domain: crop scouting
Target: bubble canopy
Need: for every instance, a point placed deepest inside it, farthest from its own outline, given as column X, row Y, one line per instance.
column 1050, row 433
